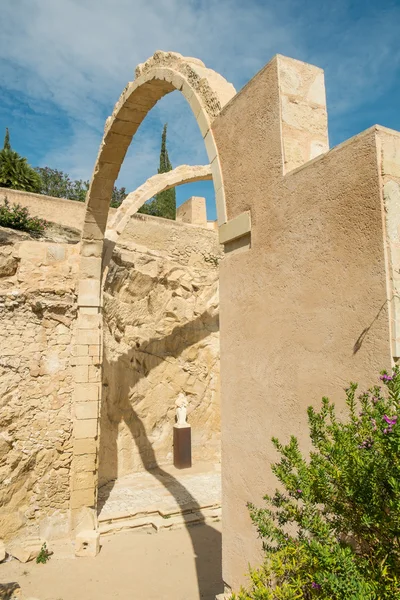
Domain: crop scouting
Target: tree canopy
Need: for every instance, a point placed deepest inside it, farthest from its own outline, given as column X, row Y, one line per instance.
column 15, row 172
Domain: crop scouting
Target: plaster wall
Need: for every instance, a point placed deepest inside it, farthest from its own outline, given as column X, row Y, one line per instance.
column 310, row 285
column 68, row 213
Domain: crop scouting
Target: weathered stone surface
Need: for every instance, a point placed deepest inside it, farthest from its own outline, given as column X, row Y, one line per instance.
column 2, row 550
column 10, row 591
column 161, row 338
column 87, row 543
column 37, row 312
column 25, row 551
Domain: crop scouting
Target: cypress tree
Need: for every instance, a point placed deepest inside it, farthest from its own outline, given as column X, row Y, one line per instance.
column 164, row 203
column 7, row 145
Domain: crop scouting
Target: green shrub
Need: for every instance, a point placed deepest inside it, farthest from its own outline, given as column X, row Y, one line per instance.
column 333, row 530
column 44, row 555
column 16, row 216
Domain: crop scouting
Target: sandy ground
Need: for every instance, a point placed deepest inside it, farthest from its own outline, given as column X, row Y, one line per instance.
column 182, row 564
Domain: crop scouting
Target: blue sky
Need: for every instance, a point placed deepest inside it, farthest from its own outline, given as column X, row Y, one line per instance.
column 64, row 63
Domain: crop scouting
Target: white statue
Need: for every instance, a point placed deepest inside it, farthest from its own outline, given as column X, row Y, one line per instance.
column 181, row 410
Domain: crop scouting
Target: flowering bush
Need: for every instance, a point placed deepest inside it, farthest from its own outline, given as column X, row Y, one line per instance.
column 334, row 530
column 17, row 217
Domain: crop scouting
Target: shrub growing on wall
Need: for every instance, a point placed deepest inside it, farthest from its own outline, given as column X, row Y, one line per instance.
column 17, row 217
column 333, row 530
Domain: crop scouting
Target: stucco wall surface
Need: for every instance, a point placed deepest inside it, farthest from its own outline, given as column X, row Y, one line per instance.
column 304, row 311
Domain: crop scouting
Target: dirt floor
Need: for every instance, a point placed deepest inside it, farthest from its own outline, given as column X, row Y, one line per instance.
column 182, row 564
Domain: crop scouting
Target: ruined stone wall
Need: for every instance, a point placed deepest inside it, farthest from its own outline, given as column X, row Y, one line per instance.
column 160, row 338
column 37, row 310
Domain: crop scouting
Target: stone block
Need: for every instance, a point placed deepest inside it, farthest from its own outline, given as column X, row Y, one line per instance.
column 85, row 446
column 82, row 498
column 33, row 252
column 235, row 228
column 83, row 519
column 195, row 105
column 316, row 93
column 92, row 248
column 94, row 373
column 87, row 410
column 89, row 292
column 94, row 350
column 210, row 146
column 55, row 253
column 24, row 551
column 94, row 231
column 87, row 543
column 204, row 123
column 81, row 373
column 85, row 428
column 91, row 267
column 83, row 480
column 85, row 392
column 221, row 208
column 80, row 350
column 216, row 173
column 89, row 321
column 85, row 462
column 81, row 360
column 87, row 337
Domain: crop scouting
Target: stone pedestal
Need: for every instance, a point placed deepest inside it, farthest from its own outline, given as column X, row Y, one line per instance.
column 182, row 446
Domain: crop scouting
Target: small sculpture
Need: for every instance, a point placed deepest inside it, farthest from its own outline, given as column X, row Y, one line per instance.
column 181, row 410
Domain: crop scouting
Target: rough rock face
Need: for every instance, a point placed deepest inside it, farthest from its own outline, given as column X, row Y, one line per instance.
column 37, row 310
column 161, row 338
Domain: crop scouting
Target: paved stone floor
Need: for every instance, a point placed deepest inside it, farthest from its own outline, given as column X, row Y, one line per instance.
column 161, row 498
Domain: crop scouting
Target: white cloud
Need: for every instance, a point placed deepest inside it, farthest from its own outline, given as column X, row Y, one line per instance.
column 79, row 54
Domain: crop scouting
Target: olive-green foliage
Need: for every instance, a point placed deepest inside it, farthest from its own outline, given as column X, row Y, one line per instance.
column 15, row 172
column 333, row 531
column 16, row 216
column 164, row 203
column 59, row 185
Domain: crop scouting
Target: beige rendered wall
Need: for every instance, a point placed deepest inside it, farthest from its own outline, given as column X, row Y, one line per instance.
column 161, row 338
column 69, row 213
column 304, row 310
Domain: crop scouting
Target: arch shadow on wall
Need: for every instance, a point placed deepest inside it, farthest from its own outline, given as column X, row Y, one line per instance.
column 207, row 93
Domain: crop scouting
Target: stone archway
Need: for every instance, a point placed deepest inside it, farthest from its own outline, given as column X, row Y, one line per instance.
column 207, row 93
column 154, row 185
